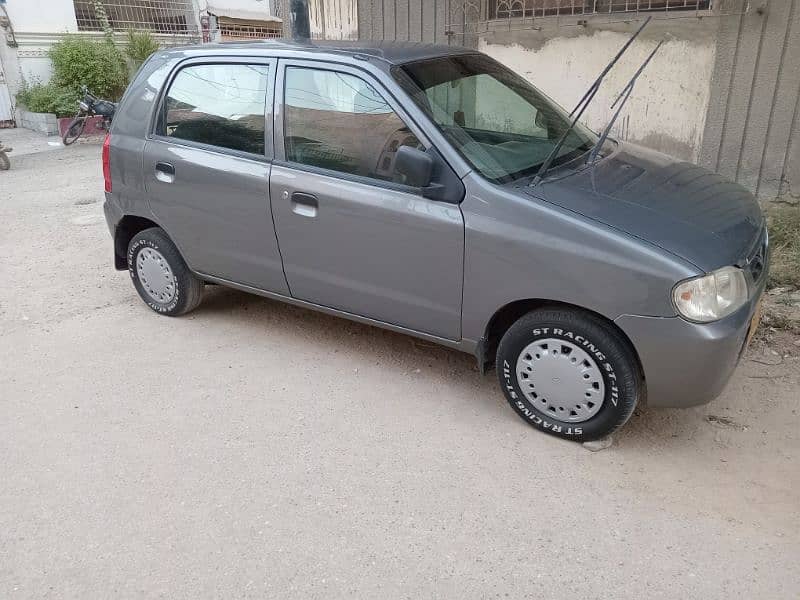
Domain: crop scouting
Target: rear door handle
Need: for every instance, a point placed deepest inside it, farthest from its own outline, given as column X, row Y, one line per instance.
column 165, row 172
column 305, row 205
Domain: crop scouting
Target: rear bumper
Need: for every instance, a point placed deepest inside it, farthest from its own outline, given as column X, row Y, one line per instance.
column 113, row 216
column 686, row 364
column 112, row 213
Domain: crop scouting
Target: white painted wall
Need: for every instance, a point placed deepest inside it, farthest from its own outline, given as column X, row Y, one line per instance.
column 42, row 16
column 6, row 113
column 37, row 25
column 667, row 110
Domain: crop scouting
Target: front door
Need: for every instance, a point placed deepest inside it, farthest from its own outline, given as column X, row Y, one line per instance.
column 352, row 236
column 207, row 170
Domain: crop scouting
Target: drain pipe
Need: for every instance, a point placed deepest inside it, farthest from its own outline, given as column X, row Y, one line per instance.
column 299, row 21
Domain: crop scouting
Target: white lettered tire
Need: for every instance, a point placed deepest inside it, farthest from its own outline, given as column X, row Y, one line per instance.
column 569, row 373
column 160, row 274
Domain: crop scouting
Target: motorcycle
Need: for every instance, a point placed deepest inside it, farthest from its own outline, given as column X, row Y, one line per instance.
column 5, row 164
column 89, row 106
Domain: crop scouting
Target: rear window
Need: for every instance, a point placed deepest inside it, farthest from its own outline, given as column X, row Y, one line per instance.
column 220, row 105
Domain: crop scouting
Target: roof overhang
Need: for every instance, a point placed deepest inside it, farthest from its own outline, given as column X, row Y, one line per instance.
column 250, row 10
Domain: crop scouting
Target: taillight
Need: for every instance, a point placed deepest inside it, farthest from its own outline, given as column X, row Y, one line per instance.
column 107, row 162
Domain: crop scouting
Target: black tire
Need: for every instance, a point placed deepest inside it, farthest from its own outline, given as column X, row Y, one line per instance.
column 614, row 358
column 74, row 131
column 187, row 291
column 5, row 163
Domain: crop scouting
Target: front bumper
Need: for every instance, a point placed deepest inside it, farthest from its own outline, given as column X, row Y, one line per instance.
column 686, row 364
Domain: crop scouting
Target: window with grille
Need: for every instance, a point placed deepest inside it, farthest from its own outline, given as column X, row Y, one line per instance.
column 238, row 29
column 504, row 9
column 158, row 16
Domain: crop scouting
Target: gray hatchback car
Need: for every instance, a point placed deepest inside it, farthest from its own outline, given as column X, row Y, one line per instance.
column 396, row 185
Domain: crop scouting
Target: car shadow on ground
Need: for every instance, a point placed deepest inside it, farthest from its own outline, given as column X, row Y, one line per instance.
column 647, row 427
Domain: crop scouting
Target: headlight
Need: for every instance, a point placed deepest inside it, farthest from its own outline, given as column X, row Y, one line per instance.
column 711, row 296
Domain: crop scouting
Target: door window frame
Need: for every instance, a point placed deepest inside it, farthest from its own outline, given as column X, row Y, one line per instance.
column 280, row 115
column 269, row 103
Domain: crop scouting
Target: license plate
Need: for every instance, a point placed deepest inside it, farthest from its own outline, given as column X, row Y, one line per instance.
column 754, row 323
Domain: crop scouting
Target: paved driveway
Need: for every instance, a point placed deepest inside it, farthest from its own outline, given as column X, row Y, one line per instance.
column 258, row 450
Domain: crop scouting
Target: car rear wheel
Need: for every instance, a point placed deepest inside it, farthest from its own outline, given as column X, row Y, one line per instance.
column 569, row 373
column 160, row 274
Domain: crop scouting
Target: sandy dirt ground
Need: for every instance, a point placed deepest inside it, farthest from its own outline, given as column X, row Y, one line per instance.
column 257, row 450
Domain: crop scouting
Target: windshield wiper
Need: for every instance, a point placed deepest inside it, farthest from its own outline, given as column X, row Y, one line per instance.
column 626, row 92
column 577, row 112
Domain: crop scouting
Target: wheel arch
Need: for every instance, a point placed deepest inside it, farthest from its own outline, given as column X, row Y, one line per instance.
column 128, row 227
column 507, row 315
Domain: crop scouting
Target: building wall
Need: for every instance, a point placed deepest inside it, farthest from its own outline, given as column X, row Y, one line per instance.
column 333, row 19
column 42, row 16
column 724, row 90
column 667, row 109
column 752, row 132
column 36, row 23
column 403, row 20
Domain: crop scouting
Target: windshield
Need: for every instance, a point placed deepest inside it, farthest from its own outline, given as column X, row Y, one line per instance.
column 498, row 121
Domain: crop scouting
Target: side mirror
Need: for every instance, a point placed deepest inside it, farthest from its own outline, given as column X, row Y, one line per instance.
column 415, row 165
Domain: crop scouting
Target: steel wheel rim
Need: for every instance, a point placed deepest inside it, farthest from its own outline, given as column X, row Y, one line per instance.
column 561, row 380
column 156, row 276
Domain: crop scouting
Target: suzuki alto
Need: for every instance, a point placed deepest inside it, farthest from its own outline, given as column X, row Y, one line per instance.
column 432, row 191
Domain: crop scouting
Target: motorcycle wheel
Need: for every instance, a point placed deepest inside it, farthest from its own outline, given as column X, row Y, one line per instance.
column 74, row 131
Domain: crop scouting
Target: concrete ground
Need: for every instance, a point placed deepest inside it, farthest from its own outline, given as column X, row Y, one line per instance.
column 252, row 449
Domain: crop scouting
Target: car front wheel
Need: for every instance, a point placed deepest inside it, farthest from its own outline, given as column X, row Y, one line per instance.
column 569, row 373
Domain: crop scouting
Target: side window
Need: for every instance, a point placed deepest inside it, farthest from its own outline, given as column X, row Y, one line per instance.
column 221, row 105
column 340, row 122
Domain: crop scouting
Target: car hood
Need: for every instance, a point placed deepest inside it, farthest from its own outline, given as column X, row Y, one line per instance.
column 685, row 209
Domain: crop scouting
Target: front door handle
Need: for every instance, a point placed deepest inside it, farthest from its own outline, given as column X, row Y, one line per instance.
column 305, row 205
column 165, row 172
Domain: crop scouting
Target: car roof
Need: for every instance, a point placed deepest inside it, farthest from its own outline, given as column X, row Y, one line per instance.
column 394, row 53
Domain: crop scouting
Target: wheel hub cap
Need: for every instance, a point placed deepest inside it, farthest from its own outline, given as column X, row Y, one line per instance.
column 561, row 379
column 155, row 275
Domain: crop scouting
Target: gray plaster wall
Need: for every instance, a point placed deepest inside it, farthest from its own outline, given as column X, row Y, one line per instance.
column 403, row 20
column 667, row 110
column 728, row 97
column 42, row 122
column 752, row 133
column 562, row 56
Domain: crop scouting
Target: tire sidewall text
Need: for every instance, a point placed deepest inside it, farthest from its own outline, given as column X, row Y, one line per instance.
column 133, row 251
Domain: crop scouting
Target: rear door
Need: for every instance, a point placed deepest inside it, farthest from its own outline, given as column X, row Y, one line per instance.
column 353, row 237
column 207, row 166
